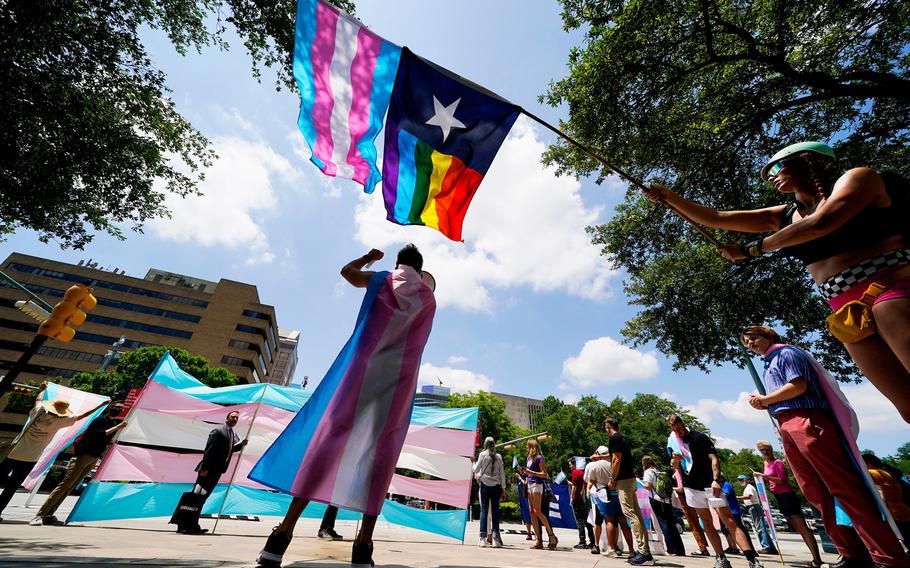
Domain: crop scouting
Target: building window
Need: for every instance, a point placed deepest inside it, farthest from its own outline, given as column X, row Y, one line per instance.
column 238, row 362
column 40, row 369
column 140, row 326
column 120, row 305
column 70, row 354
column 257, row 315
column 105, row 284
column 108, row 340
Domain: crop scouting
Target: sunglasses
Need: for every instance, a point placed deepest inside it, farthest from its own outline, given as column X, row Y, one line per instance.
column 776, row 167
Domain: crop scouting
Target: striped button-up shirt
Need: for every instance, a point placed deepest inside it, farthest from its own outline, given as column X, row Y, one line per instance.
column 783, row 366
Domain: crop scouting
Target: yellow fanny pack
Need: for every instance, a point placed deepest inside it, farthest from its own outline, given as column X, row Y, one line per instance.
column 853, row 321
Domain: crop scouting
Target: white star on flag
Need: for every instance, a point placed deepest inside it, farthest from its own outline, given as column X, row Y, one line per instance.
column 445, row 117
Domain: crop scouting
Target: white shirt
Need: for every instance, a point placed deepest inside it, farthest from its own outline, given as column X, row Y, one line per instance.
column 599, row 472
column 650, row 476
column 749, row 491
column 489, row 471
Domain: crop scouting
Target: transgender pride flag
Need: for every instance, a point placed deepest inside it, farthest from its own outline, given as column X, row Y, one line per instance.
column 345, row 74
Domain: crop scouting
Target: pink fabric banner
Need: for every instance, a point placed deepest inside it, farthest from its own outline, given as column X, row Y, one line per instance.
column 457, row 442
column 132, row 463
column 454, row 493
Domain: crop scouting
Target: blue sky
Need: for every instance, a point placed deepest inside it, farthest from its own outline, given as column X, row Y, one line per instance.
column 527, row 304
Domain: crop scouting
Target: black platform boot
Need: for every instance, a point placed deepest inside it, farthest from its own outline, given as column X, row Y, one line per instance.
column 362, row 554
column 274, row 550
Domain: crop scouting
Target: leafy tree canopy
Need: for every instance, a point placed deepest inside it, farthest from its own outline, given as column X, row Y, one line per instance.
column 89, row 138
column 134, row 368
column 697, row 95
column 577, row 430
column 491, row 415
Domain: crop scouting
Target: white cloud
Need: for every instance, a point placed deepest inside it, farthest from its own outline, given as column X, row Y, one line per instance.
column 236, row 187
column 570, row 398
column 457, row 359
column 738, row 410
column 525, row 228
column 730, row 443
column 875, row 412
column 459, row 380
column 605, row 361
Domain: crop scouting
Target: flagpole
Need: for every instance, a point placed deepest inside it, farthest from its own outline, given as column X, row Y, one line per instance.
column 265, row 387
column 629, row 177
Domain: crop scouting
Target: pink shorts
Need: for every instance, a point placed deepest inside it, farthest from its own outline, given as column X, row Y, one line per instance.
column 899, row 289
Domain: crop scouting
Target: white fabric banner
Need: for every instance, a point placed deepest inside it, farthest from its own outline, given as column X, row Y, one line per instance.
column 437, row 464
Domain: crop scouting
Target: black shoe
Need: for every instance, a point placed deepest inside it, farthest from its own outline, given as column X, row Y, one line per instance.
column 192, row 530
column 852, row 562
column 362, row 554
column 595, row 549
column 330, row 534
column 273, row 552
column 581, row 546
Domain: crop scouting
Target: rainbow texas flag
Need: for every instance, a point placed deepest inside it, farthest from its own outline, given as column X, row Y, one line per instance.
column 441, row 136
column 345, row 74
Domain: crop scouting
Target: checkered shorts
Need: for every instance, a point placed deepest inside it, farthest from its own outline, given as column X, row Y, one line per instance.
column 840, row 283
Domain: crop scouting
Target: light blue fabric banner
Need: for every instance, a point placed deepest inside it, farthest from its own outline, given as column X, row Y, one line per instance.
column 169, row 374
column 106, row 501
column 457, row 418
column 288, row 398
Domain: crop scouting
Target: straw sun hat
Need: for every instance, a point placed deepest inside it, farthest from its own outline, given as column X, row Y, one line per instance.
column 58, row 407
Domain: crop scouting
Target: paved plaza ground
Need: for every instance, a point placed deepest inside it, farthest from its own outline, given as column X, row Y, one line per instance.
column 152, row 542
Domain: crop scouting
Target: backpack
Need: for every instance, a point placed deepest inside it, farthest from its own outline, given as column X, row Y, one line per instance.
column 664, row 486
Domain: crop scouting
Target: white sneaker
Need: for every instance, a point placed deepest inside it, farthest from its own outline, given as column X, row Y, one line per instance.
column 756, row 564
column 482, row 543
column 497, row 542
column 610, row 553
column 722, row 562
column 36, row 522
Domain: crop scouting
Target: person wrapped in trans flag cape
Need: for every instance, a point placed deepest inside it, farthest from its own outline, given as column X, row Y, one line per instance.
column 342, row 447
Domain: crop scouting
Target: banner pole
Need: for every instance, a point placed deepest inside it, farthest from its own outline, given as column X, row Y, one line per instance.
column 622, row 173
column 265, row 387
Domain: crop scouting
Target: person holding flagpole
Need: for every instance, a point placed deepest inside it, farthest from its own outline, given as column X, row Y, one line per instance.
column 816, row 423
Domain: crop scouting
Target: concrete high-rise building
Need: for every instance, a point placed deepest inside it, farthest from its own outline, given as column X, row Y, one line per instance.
column 222, row 321
column 521, row 410
column 286, row 361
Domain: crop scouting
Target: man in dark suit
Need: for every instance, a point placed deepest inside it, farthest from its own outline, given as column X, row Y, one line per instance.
column 222, row 442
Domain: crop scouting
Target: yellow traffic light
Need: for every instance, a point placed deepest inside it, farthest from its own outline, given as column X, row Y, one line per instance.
column 69, row 313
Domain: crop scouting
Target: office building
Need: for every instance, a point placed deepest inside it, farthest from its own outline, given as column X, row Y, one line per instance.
column 432, row 395
column 223, row 321
column 286, row 360
column 521, row 410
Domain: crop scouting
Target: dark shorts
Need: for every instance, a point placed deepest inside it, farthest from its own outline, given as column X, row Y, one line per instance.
column 611, row 509
column 789, row 505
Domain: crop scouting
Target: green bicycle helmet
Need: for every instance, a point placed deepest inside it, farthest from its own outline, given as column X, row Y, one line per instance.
column 798, row 148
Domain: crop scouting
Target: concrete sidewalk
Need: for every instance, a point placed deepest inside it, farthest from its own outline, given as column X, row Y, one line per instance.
column 152, row 542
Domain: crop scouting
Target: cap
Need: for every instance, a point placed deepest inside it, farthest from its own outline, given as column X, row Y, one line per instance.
column 601, row 451
column 741, row 477
column 816, row 147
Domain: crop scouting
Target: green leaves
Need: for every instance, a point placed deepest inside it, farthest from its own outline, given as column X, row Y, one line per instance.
column 89, row 138
column 698, row 95
column 135, row 367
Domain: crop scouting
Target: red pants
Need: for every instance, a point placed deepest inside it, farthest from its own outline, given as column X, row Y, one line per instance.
column 824, row 472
